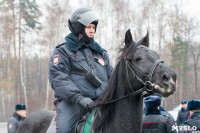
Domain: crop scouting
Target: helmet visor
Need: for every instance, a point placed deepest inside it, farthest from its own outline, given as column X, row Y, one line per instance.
column 88, row 17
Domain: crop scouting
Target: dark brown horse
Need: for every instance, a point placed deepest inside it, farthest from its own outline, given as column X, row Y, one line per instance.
column 139, row 71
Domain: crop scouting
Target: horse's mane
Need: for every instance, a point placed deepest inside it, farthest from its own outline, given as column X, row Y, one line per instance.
column 110, row 92
column 107, row 96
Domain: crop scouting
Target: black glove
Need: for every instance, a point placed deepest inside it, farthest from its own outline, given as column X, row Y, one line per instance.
column 85, row 102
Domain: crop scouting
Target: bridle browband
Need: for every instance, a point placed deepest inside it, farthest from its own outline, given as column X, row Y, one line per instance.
column 147, row 85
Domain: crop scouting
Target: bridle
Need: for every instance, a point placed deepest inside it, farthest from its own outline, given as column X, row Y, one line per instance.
column 147, row 85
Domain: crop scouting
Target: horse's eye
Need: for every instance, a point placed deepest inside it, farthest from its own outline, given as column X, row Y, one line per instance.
column 138, row 59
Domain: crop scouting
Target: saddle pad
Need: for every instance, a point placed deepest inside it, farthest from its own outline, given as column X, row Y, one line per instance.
column 88, row 122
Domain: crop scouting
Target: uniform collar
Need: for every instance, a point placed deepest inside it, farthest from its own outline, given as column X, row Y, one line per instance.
column 194, row 115
column 183, row 110
column 18, row 117
column 150, row 111
column 73, row 43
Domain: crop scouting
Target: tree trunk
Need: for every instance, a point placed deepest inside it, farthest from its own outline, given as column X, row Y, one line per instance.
column 15, row 52
column 19, row 55
column 23, row 79
column 3, row 105
column 195, row 72
column 47, row 94
column 195, row 77
column 195, row 66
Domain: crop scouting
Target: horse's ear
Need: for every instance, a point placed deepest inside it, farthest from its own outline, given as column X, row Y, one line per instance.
column 145, row 41
column 128, row 37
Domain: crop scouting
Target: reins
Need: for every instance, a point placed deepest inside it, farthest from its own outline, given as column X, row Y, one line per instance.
column 131, row 94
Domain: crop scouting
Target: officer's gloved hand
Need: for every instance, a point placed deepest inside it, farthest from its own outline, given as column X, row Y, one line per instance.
column 85, row 102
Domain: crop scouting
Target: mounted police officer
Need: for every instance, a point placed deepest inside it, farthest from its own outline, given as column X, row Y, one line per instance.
column 154, row 121
column 79, row 70
column 183, row 113
column 192, row 125
column 18, row 117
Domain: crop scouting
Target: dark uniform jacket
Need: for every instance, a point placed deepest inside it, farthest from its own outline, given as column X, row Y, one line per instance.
column 182, row 116
column 156, row 122
column 67, row 76
column 164, row 112
column 14, row 123
column 192, row 125
column 171, row 118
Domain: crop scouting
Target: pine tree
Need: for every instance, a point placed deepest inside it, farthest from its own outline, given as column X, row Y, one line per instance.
column 180, row 62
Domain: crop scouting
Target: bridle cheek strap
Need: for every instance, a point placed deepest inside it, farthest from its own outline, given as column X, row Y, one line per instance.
column 153, row 69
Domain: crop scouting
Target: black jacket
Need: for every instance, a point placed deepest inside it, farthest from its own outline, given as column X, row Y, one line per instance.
column 192, row 123
column 14, row 122
column 182, row 116
column 157, row 122
column 164, row 112
column 172, row 122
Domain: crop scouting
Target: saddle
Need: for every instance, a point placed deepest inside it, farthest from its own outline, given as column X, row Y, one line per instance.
column 84, row 125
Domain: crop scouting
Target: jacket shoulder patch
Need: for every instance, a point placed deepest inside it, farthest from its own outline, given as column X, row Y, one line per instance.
column 10, row 126
column 56, row 59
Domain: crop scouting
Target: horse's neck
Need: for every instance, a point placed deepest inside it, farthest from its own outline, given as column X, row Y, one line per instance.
column 128, row 115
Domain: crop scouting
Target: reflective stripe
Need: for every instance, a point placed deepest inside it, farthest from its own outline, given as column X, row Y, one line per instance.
column 57, row 118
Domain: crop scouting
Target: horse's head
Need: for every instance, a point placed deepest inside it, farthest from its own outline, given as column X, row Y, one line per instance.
column 147, row 66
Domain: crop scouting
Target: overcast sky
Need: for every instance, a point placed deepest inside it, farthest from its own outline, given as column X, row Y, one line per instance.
column 192, row 7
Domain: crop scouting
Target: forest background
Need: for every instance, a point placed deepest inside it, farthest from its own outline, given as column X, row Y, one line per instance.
column 30, row 30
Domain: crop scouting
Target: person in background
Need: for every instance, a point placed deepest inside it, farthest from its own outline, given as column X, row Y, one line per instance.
column 79, row 70
column 164, row 112
column 193, row 122
column 153, row 120
column 183, row 113
column 17, row 118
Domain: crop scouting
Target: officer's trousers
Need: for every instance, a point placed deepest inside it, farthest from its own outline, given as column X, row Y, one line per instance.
column 67, row 114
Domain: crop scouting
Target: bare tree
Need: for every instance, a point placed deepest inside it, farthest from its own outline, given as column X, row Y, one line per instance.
column 55, row 27
column 195, row 52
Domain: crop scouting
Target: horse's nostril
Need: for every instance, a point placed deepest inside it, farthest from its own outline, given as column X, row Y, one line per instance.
column 166, row 78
